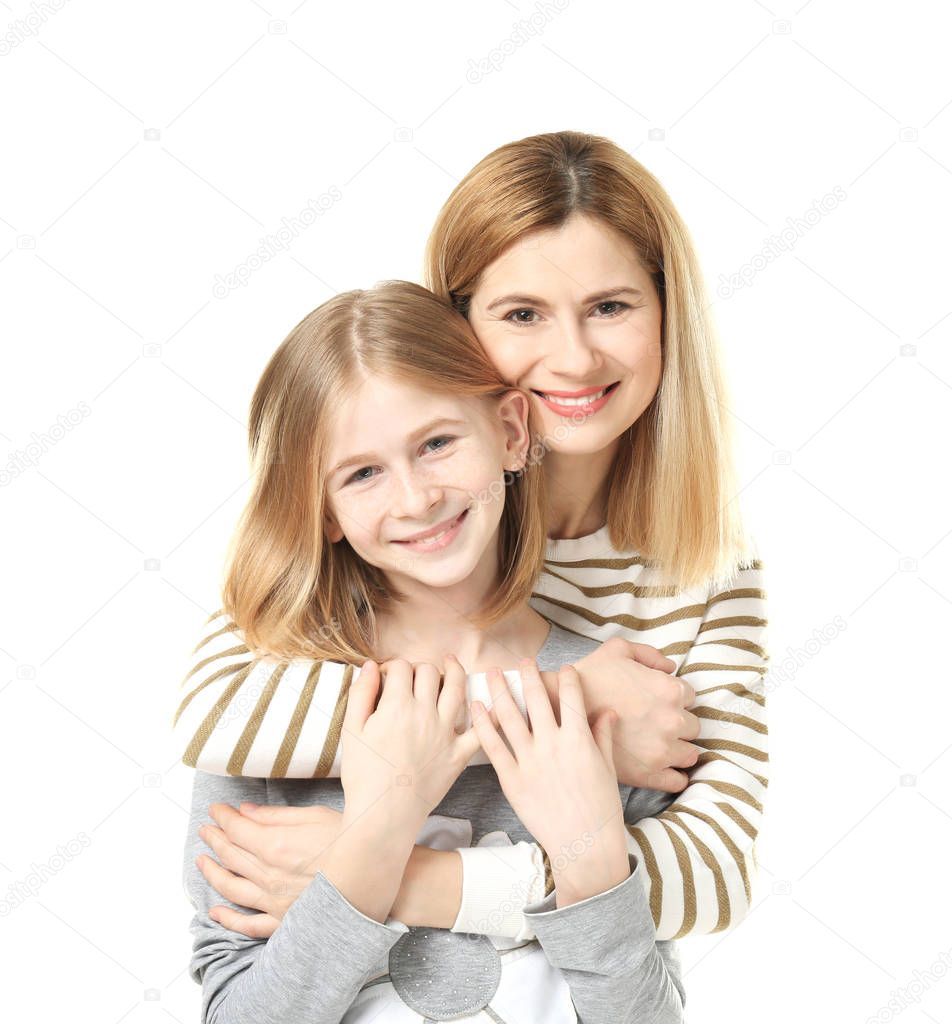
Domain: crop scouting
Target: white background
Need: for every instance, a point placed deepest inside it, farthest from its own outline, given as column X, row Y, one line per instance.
column 147, row 149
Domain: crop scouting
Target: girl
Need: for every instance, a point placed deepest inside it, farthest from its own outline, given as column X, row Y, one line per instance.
column 342, row 562
column 578, row 277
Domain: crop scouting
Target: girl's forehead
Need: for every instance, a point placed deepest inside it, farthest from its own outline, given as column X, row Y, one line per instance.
column 394, row 397
column 381, row 414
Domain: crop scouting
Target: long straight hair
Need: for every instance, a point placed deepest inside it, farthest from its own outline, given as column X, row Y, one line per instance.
column 287, row 587
column 672, row 485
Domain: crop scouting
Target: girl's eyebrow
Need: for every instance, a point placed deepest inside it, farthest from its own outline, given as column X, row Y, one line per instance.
column 533, row 300
column 416, row 435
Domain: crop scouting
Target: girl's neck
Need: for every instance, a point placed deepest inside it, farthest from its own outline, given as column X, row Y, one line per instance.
column 430, row 633
column 577, row 489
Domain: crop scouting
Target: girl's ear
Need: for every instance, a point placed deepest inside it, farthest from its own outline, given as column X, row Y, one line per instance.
column 514, row 414
column 333, row 531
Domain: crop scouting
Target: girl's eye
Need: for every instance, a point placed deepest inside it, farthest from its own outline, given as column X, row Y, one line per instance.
column 619, row 306
column 357, row 478
column 516, row 313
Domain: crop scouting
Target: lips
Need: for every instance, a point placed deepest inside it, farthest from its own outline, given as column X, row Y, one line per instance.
column 433, row 531
column 583, row 397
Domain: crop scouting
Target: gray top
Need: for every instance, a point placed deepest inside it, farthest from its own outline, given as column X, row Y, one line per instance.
column 326, row 951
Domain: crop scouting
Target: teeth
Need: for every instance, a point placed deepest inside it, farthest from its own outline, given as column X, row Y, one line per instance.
column 587, row 400
column 435, row 537
column 429, row 540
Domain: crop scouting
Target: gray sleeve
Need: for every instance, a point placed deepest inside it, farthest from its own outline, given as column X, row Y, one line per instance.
column 313, row 966
column 605, row 947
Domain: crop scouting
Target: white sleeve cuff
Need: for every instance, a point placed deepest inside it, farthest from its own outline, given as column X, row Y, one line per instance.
column 498, row 882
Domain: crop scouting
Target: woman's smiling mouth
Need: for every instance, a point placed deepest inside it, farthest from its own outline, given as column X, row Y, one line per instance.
column 569, row 403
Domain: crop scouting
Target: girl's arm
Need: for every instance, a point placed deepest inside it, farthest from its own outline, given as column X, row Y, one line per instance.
column 242, row 715
column 325, row 950
column 695, row 848
column 605, row 947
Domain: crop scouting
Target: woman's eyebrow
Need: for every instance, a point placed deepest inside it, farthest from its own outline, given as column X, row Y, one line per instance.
column 534, row 300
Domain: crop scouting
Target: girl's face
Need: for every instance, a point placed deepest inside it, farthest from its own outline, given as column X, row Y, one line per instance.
column 569, row 312
column 404, row 461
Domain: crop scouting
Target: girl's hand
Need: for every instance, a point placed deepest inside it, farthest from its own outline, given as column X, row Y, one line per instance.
column 654, row 726
column 268, row 857
column 560, row 780
column 399, row 761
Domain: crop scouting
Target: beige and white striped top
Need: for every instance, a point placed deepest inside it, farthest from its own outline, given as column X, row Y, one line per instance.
column 282, row 719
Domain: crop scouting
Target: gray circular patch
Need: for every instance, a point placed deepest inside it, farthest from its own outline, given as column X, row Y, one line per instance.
column 442, row 974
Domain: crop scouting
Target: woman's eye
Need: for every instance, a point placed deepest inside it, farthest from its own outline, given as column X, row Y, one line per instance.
column 517, row 314
column 448, row 441
column 617, row 307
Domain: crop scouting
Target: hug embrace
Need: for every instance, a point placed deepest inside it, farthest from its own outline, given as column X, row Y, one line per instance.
column 480, row 730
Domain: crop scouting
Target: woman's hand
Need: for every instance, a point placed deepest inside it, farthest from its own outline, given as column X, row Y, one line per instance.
column 560, row 780
column 654, row 725
column 268, row 857
column 396, row 763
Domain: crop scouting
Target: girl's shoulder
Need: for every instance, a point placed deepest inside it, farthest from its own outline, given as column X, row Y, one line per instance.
column 563, row 646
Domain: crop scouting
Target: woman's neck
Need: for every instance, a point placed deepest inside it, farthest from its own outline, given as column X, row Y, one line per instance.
column 577, row 489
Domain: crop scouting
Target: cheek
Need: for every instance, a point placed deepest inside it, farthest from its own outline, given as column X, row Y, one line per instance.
column 509, row 355
column 641, row 349
column 358, row 516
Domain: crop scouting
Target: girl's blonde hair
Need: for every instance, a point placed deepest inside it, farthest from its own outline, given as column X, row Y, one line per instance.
column 291, row 591
column 672, row 492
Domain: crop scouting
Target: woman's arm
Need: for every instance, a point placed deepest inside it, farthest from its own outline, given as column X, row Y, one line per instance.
column 695, row 847
column 242, row 715
column 698, row 854
column 262, row 717
column 325, row 950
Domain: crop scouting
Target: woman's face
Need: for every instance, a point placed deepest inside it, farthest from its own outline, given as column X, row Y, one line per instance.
column 404, row 461
column 569, row 312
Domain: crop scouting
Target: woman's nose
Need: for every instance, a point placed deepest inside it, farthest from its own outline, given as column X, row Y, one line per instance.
column 574, row 355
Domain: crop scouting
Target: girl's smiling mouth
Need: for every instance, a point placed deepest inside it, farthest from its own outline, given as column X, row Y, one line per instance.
column 444, row 536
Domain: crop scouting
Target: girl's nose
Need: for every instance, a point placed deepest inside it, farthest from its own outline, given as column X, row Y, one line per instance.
column 415, row 496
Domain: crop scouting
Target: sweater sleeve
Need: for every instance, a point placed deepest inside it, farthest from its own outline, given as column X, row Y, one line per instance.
column 605, row 947
column 698, row 853
column 312, row 967
column 262, row 717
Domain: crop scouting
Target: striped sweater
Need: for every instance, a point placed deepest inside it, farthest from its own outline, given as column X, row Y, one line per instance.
column 282, row 719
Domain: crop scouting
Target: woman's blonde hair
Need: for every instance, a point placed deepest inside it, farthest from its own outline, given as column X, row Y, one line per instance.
column 672, row 490
column 291, row 591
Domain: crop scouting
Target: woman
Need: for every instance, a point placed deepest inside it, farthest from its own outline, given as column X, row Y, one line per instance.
column 645, row 542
